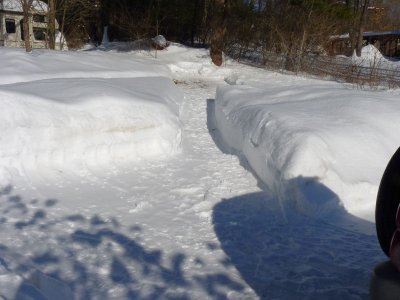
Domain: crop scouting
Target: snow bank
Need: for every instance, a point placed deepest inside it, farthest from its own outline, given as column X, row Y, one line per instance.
column 371, row 53
column 187, row 63
column 298, row 137
column 19, row 66
column 81, row 123
column 370, row 57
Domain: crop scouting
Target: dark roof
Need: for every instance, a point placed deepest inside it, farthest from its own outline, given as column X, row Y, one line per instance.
column 373, row 33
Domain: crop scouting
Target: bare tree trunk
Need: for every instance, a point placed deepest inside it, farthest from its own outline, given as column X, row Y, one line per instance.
column 193, row 29
column 52, row 24
column 62, row 24
column 360, row 10
column 289, row 62
column 353, row 7
column 218, row 32
column 26, row 8
column 27, row 35
column 300, row 55
column 299, row 58
column 363, row 19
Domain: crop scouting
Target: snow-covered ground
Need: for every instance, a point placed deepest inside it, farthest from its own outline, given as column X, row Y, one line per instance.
column 113, row 187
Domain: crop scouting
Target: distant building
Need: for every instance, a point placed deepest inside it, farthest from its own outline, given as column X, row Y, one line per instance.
column 388, row 43
column 11, row 29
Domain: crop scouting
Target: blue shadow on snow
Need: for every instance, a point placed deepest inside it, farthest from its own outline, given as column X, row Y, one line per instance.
column 289, row 255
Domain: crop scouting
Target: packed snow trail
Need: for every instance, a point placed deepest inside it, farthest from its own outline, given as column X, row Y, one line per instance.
column 195, row 226
column 140, row 232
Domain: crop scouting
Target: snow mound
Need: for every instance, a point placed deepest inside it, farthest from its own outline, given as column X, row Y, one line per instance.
column 19, row 66
column 371, row 53
column 297, row 136
column 82, row 123
column 370, row 57
column 160, row 41
column 187, row 63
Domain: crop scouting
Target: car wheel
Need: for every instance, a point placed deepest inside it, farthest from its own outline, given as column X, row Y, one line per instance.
column 385, row 282
column 387, row 202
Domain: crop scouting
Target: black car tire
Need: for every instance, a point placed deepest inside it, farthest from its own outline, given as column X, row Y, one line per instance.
column 387, row 202
column 385, row 282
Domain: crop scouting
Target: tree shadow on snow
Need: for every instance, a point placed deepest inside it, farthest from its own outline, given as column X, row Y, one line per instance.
column 79, row 257
column 144, row 45
column 284, row 254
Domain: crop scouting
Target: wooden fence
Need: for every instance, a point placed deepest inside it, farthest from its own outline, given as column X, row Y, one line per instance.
column 340, row 69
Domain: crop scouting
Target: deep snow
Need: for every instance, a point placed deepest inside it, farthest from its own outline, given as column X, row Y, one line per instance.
column 81, row 123
column 196, row 224
column 298, row 134
column 371, row 57
column 19, row 67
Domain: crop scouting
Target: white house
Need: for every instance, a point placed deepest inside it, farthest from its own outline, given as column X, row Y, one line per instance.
column 11, row 29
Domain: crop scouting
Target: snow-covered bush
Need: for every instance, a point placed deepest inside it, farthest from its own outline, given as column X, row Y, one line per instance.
column 160, row 42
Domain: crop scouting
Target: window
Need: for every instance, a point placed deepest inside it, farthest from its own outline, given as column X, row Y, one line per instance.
column 39, row 34
column 10, row 25
column 39, row 18
column 21, row 26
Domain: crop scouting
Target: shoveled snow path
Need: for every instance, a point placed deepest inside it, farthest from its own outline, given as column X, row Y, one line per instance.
column 159, row 213
column 162, row 230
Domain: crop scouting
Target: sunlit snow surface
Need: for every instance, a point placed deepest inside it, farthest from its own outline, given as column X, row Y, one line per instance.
column 304, row 133
column 94, row 120
column 89, row 209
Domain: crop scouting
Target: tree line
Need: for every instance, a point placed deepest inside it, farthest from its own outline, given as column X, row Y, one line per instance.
column 289, row 27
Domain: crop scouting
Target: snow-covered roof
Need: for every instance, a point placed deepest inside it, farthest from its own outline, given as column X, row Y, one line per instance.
column 375, row 33
column 366, row 34
column 15, row 5
column 341, row 36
